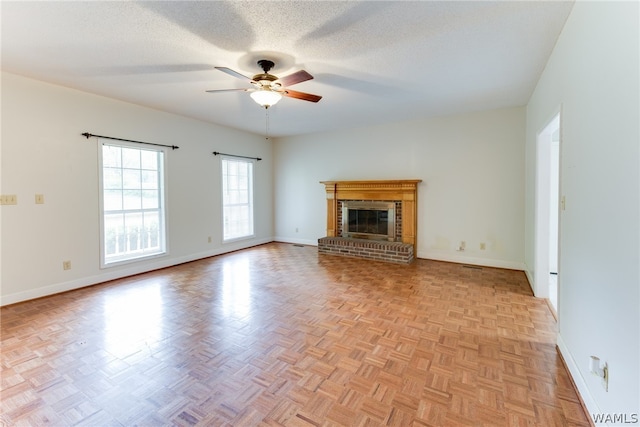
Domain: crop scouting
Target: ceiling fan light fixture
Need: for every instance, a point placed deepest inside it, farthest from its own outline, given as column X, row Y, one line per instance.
column 266, row 97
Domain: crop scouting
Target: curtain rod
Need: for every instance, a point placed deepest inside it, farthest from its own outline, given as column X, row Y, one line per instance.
column 233, row 155
column 89, row 135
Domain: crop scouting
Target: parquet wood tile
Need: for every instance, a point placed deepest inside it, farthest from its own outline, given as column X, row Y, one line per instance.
column 278, row 335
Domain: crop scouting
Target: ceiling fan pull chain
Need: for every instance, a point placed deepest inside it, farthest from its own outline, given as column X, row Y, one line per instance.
column 266, row 124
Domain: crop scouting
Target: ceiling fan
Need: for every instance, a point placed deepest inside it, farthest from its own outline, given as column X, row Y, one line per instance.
column 268, row 89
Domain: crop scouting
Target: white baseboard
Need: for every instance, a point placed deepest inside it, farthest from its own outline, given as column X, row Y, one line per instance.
column 307, row 242
column 529, row 277
column 578, row 379
column 465, row 259
column 132, row 269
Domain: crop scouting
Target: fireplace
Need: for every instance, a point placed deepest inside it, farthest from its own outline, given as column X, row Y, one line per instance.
column 369, row 220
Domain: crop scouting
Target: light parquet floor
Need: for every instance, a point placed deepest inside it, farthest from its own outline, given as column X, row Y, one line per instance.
column 278, row 335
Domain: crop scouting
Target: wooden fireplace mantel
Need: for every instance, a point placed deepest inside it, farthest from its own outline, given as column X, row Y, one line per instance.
column 405, row 190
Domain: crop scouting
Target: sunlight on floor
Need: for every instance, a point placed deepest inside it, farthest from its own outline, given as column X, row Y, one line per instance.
column 133, row 319
column 236, row 288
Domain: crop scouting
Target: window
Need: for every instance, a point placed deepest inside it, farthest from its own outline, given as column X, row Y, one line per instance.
column 237, row 198
column 132, row 203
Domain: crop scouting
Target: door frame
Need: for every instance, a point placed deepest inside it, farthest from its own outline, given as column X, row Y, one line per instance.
column 542, row 205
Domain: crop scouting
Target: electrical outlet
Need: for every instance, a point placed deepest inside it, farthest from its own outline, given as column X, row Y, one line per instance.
column 483, row 246
column 66, row 265
column 462, row 246
column 209, row 239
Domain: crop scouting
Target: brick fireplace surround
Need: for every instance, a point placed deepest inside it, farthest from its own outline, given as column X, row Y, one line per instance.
column 403, row 192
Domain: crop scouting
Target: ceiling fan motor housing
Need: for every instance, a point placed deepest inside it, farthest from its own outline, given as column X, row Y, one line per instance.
column 266, row 66
column 267, row 77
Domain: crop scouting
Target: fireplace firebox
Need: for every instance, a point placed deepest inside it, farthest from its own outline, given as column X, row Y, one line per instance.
column 369, row 220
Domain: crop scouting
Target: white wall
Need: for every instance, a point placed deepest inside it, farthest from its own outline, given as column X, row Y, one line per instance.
column 472, row 167
column 593, row 76
column 43, row 152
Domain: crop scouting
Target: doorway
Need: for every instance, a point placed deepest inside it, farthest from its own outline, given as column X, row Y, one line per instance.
column 547, row 212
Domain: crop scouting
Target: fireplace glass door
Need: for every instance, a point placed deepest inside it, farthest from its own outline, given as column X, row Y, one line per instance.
column 368, row 220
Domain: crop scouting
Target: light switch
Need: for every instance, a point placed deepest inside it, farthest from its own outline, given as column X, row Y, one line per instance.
column 39, row 199
column 8, row 199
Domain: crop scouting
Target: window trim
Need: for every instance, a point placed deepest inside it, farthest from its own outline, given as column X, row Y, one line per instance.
column 163, row 210
column 251, row 199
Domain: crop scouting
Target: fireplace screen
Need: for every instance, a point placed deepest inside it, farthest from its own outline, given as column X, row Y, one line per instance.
column 368, row 220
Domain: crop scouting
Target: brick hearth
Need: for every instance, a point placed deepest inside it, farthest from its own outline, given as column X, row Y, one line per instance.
column 370, row 249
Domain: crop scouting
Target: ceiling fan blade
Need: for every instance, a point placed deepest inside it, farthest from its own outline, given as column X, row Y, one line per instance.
column 301, row 95
column 233, row 73
column 227, row 90
column 295, row 78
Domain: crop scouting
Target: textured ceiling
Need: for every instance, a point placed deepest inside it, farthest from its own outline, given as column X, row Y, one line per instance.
column 372, row 61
